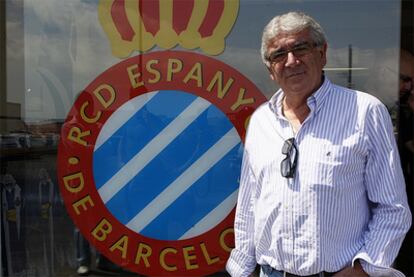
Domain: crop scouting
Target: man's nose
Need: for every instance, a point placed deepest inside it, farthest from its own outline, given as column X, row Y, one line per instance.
column 291, row 59
column 406, row 87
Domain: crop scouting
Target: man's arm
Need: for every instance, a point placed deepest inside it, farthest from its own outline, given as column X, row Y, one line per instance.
column 384, row 181
column 242, row 261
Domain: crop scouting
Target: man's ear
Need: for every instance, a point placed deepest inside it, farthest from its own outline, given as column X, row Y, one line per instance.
column 323, row 52
column 270, row 72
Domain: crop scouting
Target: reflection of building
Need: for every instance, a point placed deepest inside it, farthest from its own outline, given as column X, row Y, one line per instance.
column 13, row 131
column 10, row 119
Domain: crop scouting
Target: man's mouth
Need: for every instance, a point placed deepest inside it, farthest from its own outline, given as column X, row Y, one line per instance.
column 294, row 74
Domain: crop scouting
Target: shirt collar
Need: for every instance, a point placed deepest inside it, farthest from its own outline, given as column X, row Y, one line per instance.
column 314, row 101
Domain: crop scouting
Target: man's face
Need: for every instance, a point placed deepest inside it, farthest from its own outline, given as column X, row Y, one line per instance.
column 406, row 74
column 299, row 74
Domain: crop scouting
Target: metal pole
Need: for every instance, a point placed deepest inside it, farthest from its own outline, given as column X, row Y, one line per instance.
column 350, row 85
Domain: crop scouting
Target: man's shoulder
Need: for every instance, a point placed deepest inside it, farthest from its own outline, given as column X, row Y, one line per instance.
column 361, row 98
column 264, row 109
column 262, row 117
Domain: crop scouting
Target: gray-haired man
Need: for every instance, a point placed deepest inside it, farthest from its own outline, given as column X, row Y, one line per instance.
column 322, row 191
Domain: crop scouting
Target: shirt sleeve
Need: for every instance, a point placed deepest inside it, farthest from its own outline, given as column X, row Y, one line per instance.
column 384, row 181
column 242, row 261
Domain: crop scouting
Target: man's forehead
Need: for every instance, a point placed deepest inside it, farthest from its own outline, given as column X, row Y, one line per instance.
column 407, row 64
column 288, row 39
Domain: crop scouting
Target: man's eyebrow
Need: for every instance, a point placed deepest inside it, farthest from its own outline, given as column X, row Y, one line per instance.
column 296, row 44
column 300, row 43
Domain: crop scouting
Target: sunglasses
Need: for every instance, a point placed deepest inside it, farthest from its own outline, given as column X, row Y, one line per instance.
column 288, row 164
column 299, row 50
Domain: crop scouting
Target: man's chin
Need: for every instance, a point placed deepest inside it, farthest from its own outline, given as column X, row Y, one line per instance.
column 298, row 87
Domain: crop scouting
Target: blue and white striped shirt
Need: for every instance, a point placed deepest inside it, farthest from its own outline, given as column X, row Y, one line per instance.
column 347, row 200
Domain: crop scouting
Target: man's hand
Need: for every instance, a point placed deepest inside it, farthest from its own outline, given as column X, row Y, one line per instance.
column 350, row 271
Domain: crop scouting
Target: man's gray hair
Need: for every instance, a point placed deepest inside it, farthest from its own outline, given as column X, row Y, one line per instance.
column 292, row 22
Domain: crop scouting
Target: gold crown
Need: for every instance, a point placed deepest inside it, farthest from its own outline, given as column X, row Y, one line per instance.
column 140, row 24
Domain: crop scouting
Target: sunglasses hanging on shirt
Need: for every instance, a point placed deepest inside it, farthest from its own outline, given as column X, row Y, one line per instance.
column 288, row 164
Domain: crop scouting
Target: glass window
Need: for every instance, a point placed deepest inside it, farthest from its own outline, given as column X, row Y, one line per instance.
column 137, row 78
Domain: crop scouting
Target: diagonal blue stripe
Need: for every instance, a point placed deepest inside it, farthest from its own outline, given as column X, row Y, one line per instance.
column 181, row 153
column 193, row 205
column 130, row 138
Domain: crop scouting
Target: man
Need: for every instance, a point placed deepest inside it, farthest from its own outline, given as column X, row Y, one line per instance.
column 321, row 190
column 406, row 145
column 406, row 116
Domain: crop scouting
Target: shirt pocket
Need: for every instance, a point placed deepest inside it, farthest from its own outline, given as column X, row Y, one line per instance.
column 317, row 164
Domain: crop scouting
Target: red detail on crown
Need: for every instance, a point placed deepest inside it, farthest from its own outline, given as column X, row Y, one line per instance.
column 150, row 13
column 121, row 22
column 213, row 15
column 181, row 15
